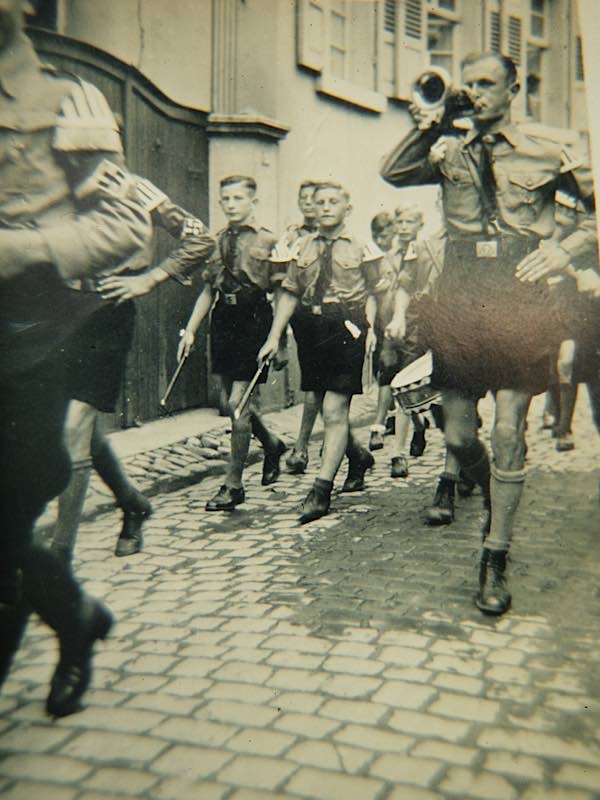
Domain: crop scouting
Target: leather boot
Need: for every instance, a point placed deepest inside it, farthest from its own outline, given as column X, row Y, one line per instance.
column 442, row 508
column 316, row 504
column 271, row 467
column 226, row 499
column 494, row 597
column 72, row 676
column 359, row 461
column 465, row 486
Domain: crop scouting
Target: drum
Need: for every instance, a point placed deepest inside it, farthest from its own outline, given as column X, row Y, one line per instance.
column 412, row 388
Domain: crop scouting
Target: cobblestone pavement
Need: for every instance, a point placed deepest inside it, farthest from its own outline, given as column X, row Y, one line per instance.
column 256, row 659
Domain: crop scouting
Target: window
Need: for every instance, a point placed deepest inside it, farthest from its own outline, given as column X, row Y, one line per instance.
column 514, row 44
column 495, row 32
column 340, row 39
column 537, row 21
column 440, row 42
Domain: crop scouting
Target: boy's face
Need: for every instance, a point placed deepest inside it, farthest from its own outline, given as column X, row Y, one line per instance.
column 408, row 224
column 383, row 238
column 306, row 203
column 332, row 207
column 237, row 202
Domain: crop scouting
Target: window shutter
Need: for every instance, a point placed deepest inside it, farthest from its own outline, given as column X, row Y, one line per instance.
column 495, row 32
column 411, row 44
column 513, row 44
column 311, row 33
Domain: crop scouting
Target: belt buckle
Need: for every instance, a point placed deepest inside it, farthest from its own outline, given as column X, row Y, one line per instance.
column 317, row 310
column 230, row 299
column 486, row 249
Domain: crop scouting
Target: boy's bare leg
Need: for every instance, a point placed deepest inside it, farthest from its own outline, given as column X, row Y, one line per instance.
column 336, row 412
column 297, row 461
column 399, row 461
column 231, row 492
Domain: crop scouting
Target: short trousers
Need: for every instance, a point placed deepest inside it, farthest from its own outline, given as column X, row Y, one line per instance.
column 96, row 356
column 331, row 358
column 487, row 330
column 237, row 332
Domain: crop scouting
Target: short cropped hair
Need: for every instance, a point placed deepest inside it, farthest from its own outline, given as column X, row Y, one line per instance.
column 308, row 184
column 510, row 69
column 410, row 208
column 380, row 222
column 333, row 185
column 245, row 180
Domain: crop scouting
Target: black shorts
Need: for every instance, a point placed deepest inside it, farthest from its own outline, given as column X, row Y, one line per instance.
column 487, row 330
column 236, row 335
column 331, row 358
column 96, row 356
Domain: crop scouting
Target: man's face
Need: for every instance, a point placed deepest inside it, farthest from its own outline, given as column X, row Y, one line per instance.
column 490, row 91
column 237, row 202
column 332, row 207
column 306, row 203
column 383, row 238
column 11, row 20
column 408, row 224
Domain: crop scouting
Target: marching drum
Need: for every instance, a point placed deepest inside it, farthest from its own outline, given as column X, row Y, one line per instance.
column 412, row 388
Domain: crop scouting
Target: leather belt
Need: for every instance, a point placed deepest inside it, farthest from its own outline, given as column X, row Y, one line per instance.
column 491, row 248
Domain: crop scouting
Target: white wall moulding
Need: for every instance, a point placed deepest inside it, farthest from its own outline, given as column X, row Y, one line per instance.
column 246, row 125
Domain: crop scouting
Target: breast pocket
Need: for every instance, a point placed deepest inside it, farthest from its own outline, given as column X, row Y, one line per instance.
column 461, row 196
column 526, row 194
column 348, row 273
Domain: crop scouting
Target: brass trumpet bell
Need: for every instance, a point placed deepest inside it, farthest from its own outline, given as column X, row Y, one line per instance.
column 433, row 91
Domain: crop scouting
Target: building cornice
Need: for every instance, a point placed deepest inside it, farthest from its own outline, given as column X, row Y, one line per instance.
column 254, row 125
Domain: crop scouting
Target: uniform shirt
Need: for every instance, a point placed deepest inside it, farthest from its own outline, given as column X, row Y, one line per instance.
column 61, row 173
column 254, row 265
column 195, row 244
column 295, row 232
column 357, row 270
column 528, row 167
column 415, row 270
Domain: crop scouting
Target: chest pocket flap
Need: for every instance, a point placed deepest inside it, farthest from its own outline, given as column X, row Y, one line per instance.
column 456, row 173
column 530, row 180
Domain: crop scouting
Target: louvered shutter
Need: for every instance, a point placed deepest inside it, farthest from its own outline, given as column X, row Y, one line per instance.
column 514, row 45
column 411, row 56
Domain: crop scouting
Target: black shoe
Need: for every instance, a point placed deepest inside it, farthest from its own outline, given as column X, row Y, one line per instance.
column 376, row 440
column 271, row 463
column 297, row 461
column 399, row 467
column 494, row 597
column 359, row 464
column 73, row 673
column 390, row 426
column 442, row 508
column 131, row 539
column 564, row 442
column 465, row 486
column 315, row 506
column 226, row 499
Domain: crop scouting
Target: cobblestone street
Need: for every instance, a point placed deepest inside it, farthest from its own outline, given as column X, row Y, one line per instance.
column 342, row 660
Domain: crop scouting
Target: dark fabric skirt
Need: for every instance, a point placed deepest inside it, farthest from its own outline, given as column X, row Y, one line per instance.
column 487, row 330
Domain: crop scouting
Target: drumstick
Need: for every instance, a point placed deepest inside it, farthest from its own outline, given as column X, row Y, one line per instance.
column 239, row 409
column 180, row 363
